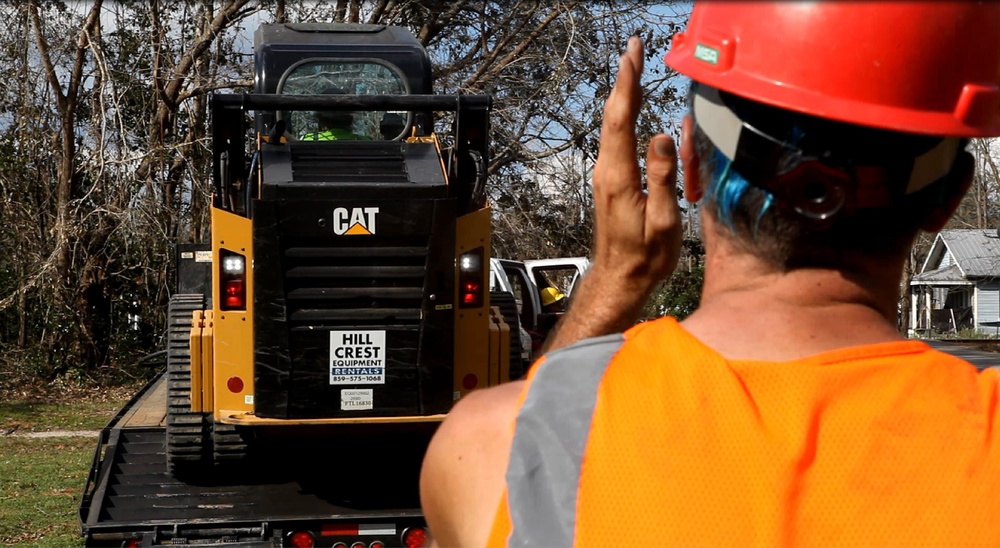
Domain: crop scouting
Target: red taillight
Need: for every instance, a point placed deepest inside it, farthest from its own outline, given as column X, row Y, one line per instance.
column 236, row 295
column 471, row 294
column 376, row 544
column 132, row 543
column 471, row 278
column 339, row 545
column 358, row 545
column 415, row 537
column 232, row 280
column 301, row 539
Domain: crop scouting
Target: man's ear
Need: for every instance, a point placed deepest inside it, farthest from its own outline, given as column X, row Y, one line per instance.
column 963, row 171
column 690, row 162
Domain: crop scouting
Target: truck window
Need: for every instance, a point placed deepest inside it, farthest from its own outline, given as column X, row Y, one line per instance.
column 350, row 77
column 560, row 277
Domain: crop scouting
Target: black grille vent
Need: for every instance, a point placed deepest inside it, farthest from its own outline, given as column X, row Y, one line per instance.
column 349, row 162
column 337, row 287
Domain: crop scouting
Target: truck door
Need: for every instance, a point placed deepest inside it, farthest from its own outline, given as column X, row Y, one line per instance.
column 525, row 294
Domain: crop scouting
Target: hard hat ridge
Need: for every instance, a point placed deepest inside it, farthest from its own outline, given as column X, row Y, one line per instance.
column 925, row 67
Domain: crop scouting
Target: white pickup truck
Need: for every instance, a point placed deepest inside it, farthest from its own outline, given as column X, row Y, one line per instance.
column 525, row 281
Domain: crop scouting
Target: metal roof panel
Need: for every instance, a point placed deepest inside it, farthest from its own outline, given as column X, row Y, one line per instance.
column 976, row 251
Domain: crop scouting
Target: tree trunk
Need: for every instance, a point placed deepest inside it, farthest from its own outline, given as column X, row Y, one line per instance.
column 66, row 224
column 22, row 319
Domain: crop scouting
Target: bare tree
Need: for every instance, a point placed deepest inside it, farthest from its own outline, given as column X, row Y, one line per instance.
column 123, row 103
column 90, row 245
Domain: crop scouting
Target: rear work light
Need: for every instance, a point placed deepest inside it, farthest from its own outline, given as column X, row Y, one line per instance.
column 471, row 279
column 233, row 277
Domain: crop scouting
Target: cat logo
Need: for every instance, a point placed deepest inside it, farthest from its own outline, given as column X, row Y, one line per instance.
column 354, row 221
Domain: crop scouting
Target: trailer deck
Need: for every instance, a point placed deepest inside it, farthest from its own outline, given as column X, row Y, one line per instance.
column 363, row 477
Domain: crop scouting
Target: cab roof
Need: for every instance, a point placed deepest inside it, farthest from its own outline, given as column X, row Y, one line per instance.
column 333, row 35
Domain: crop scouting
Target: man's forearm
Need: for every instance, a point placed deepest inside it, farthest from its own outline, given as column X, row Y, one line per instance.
column 637, row 231
column 601, row 305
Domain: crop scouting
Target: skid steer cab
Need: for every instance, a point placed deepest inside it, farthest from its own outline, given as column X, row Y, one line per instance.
column 347, row 277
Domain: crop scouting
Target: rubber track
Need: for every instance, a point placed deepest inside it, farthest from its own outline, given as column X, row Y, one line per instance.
column 508, row 308
column 187, row 443
column 228, row 443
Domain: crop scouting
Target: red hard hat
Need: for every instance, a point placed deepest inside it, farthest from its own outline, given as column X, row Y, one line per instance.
column 919, row 67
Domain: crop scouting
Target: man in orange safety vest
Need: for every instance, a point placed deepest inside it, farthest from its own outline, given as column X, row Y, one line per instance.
column 821, row 138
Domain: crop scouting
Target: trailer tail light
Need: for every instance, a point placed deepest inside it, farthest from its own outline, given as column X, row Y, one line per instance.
column 301, row 539
column 358, row 545
column 415, row 537
column 132, row 543
column 470, row 279
column 233, row 276
column 376, row 544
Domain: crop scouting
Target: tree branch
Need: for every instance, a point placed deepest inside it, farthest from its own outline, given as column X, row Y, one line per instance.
column 222, row 19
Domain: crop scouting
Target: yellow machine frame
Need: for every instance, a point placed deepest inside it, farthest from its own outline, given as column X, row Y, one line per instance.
column 222, row 343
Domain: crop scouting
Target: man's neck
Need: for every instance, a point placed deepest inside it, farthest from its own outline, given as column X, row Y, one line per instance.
column 752, row 310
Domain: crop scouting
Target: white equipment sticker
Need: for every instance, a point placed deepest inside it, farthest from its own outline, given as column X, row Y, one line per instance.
column 357, row 357
column 203, row 256
column 356, row 399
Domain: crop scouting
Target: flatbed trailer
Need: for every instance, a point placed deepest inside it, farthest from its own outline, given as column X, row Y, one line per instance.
column 357, row 486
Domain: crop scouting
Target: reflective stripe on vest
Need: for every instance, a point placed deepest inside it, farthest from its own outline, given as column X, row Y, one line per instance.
column 549, row 441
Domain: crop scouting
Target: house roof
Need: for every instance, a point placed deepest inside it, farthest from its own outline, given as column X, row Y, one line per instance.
column 949, row 275
column 976, row 251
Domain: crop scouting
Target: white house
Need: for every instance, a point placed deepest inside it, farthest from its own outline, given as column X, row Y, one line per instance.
column 959, row 284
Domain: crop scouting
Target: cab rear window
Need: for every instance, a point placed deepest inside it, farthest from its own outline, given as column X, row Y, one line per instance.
column 351, row 77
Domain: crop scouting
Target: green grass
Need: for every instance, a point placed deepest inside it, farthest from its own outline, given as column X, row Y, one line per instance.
column 35, row 416
column 969, row 334
column 41, row 480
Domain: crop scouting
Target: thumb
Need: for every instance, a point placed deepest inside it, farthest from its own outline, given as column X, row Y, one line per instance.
column 662, row 209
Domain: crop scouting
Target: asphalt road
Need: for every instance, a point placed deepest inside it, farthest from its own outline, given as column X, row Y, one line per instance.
column 978, row 358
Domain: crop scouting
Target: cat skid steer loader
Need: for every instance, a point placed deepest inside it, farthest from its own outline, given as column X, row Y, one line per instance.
column 347, row 277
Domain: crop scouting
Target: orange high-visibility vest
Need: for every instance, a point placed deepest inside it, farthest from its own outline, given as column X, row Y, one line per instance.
column 652, row 438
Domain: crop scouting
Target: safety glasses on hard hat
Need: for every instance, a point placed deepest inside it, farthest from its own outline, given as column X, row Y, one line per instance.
column 821, row 167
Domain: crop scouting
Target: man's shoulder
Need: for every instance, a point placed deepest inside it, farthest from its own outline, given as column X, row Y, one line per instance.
column 462, row 478
column 487, row 405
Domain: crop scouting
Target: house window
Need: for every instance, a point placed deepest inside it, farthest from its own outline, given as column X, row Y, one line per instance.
column 958, row 297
